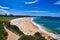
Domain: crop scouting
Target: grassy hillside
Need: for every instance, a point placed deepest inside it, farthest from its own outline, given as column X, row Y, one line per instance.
column 6, row 18
column 3, row 33
column 12, row 28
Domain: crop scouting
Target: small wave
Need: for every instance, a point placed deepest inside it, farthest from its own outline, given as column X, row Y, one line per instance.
column 41, row 28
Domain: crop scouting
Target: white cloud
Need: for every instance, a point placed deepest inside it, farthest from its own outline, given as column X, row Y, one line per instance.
column 2, row 11
column 58, row 2
column 2, row 7
column 35, row 11
column 32, row 2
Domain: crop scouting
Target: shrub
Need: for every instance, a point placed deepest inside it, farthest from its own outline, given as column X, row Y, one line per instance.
column 39, row 37
column 27, row 37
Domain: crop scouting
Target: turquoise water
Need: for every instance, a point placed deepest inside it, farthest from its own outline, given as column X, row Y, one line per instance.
column 52, row 24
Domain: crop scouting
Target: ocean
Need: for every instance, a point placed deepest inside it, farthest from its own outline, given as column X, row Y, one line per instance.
column 51, row 24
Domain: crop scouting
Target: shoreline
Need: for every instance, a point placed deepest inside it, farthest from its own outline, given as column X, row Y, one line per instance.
column 27, row 26
column 41, row 28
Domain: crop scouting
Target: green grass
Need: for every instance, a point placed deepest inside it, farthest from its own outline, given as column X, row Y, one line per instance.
column 6, row 18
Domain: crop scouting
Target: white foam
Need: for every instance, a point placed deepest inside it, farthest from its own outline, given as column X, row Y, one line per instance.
column 41, row 28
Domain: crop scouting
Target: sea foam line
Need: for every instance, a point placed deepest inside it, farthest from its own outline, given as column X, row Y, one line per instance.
column 41, row 28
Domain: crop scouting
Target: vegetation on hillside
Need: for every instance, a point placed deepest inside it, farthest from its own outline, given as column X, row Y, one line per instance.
column 14, row 28
column 37, row 36
column 4, row 19
column 27, row 37
column 3, row 33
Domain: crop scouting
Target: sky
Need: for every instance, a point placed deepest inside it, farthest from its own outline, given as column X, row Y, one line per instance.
column 30, row 7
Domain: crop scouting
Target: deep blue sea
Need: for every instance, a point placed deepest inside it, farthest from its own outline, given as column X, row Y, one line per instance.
column 52, row 23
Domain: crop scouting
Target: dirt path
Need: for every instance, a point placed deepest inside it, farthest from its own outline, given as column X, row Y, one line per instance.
column 11, row 35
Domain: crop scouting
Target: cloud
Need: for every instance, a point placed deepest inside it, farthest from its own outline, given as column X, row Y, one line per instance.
column 2, row 7
column 35, row 11
column 3, row 12
column 32, row 2
column 58, row 2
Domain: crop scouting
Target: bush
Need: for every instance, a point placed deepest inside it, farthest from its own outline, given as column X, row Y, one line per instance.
column 39, row 37
column 27, row 37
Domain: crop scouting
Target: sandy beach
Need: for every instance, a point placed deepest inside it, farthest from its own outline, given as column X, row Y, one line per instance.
column 25, row 25
column 28, row 28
